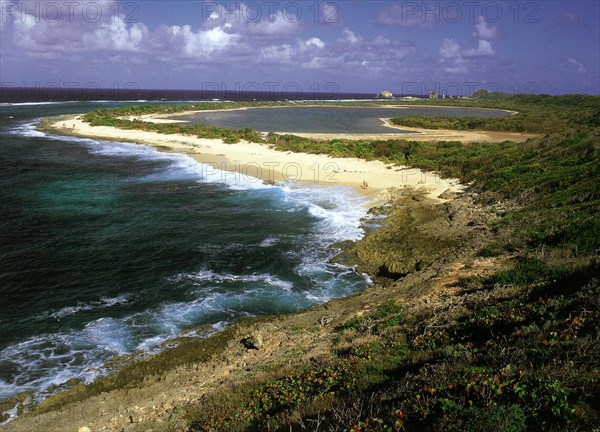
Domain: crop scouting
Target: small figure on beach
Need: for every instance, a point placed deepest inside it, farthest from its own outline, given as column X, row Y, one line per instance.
column 365, row 185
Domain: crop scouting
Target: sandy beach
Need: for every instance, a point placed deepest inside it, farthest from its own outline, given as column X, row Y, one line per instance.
column 248, row 162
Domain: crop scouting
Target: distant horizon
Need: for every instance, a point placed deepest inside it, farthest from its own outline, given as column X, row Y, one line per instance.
column 93, row 94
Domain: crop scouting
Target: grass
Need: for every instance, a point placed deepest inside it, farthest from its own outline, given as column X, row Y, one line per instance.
column 520, row 361
column 523, row 356
column 513, row 351
column 550, row 182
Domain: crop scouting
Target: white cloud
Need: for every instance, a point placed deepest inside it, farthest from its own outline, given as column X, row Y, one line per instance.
column 277, row 25
column 457, row 59
column 350, row 36
column 201, row 43
column 459, row 66
column 316, row 63
column 316, row 42
column 116, row 36
column 580, row 68
column 484, row 49
column 406, row 15
column 483, row 30
column 219, row 39
column 449, row 49
column 282, row 54
column 40, row 36
column 451, row 53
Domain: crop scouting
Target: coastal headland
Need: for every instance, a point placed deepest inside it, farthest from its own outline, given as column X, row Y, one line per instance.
column 445, row 330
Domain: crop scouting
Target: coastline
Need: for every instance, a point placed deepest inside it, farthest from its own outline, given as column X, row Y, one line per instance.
column 409, row 133
column 259, row 161
column 154, row 393
column 420, row 190
column 470, row 315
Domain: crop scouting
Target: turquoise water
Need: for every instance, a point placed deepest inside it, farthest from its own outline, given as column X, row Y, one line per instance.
column 107, row 248
column 326, row 119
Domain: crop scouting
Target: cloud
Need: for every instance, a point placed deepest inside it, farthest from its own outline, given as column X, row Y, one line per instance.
column 245, row 19
column 42, row 35
column 580, row 68
column 485, row 31
column 272, row 39
column 451, row 54
column 116, row 36
column 450, row 49
column 277, row 25
column 459, row 66
column 316, row 42
column 406, row 15
column 350, row 37
column 484, row 49
column 457, row 59
column 201, row 43
column 280, row 54
column 377, row 55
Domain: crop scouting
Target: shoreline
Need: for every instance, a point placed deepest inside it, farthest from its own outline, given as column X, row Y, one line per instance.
column 433, row 190
column 409, row 133
column 155, row 390
column 259, row 161
column 461, row 297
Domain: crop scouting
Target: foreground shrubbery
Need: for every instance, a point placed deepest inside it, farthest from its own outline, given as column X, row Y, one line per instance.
column 520, row 359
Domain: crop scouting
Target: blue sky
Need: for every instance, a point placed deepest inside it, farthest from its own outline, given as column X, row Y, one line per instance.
column 455, row 47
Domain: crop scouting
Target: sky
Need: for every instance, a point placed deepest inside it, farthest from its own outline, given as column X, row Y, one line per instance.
column 406, row 47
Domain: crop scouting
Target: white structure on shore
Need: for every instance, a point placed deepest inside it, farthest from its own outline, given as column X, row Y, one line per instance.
column 385, row 95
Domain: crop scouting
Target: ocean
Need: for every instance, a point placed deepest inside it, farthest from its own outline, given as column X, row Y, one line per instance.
column 108, row 248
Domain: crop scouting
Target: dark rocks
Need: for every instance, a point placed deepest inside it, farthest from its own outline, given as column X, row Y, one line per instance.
column 253, row 341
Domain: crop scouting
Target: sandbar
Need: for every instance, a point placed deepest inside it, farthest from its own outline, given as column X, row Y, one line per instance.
column 247, row 162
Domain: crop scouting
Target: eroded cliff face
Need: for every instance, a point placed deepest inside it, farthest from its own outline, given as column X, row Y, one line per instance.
column 417, row 233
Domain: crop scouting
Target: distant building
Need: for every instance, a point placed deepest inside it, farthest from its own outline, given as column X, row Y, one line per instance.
column 433, row 94
column 385, row 95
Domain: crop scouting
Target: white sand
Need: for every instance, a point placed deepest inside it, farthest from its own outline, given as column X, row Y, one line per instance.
column 245, row 161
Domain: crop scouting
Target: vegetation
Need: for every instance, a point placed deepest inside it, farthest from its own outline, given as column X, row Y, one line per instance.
column 519, row 359
column 534, row 113
column 523, row 356
column 516, row 350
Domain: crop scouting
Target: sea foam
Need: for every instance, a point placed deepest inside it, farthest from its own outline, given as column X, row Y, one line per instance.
column 52, row 358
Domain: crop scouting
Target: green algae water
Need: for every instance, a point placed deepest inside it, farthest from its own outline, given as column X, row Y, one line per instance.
column 108, row 248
